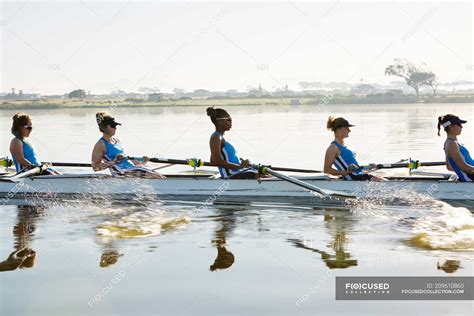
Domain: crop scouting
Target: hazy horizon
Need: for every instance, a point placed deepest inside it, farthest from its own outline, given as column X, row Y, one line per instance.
column 55, row 47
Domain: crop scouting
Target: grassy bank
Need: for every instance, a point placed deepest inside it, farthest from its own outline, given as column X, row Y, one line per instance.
column 223, row 102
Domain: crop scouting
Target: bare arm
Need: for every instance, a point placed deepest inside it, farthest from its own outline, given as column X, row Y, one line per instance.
column 331, row 154
column 98, row 154
column 215, row 144
column 448, row 165
column 453, row 152
column 16, row 149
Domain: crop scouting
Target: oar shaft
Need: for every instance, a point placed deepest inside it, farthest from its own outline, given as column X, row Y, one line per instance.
column 176, row 162
column 406, row 165
column 295, row 170
column 69, row 164
column 294, row 181
column 210, row 164
column 28, row 173
column 307, row 185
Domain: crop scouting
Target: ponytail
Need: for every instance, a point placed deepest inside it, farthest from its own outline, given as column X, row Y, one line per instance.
column 19, row 120
column 443, row 119
column 330, row 123
column 440, row 119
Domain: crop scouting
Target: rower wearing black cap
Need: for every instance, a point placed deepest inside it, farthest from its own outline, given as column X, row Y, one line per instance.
column 108, row 152
column 458, row 158
column 341, row 157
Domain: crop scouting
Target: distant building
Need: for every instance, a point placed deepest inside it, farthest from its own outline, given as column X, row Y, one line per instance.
column 295, row 102
column 363, row 89
column 394, row 92
column 20, row 95
column 54, row 96
column 155, row 97
column 201, row 93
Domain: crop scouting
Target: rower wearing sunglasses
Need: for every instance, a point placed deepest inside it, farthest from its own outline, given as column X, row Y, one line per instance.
column 223, row 154
column 108, row 152
column 458, row 158
column 22, row 151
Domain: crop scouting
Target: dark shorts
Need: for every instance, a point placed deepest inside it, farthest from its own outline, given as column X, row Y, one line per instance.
column 250, row 174
column 361, row 177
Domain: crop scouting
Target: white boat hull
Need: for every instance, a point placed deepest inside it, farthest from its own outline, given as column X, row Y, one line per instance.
column 98, row 186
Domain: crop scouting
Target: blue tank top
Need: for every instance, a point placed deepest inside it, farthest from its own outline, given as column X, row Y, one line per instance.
column 29, row 154
column 463, row 176
column 229, row 154
column 112, row 151
column 346, row 157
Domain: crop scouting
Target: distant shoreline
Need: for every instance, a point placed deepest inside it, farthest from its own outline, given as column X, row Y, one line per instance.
column 224, row 102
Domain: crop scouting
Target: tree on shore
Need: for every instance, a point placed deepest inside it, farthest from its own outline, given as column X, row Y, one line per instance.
column 415, row 76
column 77, row 94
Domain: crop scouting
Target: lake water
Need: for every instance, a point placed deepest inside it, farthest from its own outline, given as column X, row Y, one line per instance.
column 165, row 258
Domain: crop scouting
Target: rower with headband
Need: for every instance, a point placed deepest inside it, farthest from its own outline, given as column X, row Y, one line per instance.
column 458, row 158
column 223, row 154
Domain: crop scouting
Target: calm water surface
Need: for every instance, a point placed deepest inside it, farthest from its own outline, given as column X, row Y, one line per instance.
column 167, row 258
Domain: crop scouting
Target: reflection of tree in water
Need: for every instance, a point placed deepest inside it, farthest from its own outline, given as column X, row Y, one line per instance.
column 23, row 256
column 224, row 258
column 449, row 266
column 340, row 259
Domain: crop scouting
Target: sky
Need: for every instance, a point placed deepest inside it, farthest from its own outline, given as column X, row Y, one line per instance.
column 100, row 46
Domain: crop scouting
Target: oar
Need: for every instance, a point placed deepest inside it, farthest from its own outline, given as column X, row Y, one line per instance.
column 69, row 164
column 25, row 174
column 412, row 164
column 193, row 162
column 325, row 192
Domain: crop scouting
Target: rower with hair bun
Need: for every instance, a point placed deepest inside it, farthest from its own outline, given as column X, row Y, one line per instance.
column 108, row 152
column 458, row 158
column 342, row 157
column 223, row 154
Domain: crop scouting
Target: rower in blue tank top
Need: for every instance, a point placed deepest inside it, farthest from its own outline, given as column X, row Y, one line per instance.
column 23, row 152
column 108, row 152
column 458, row 158
column 28, row 154
column 223, row 154
column 342, row 158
